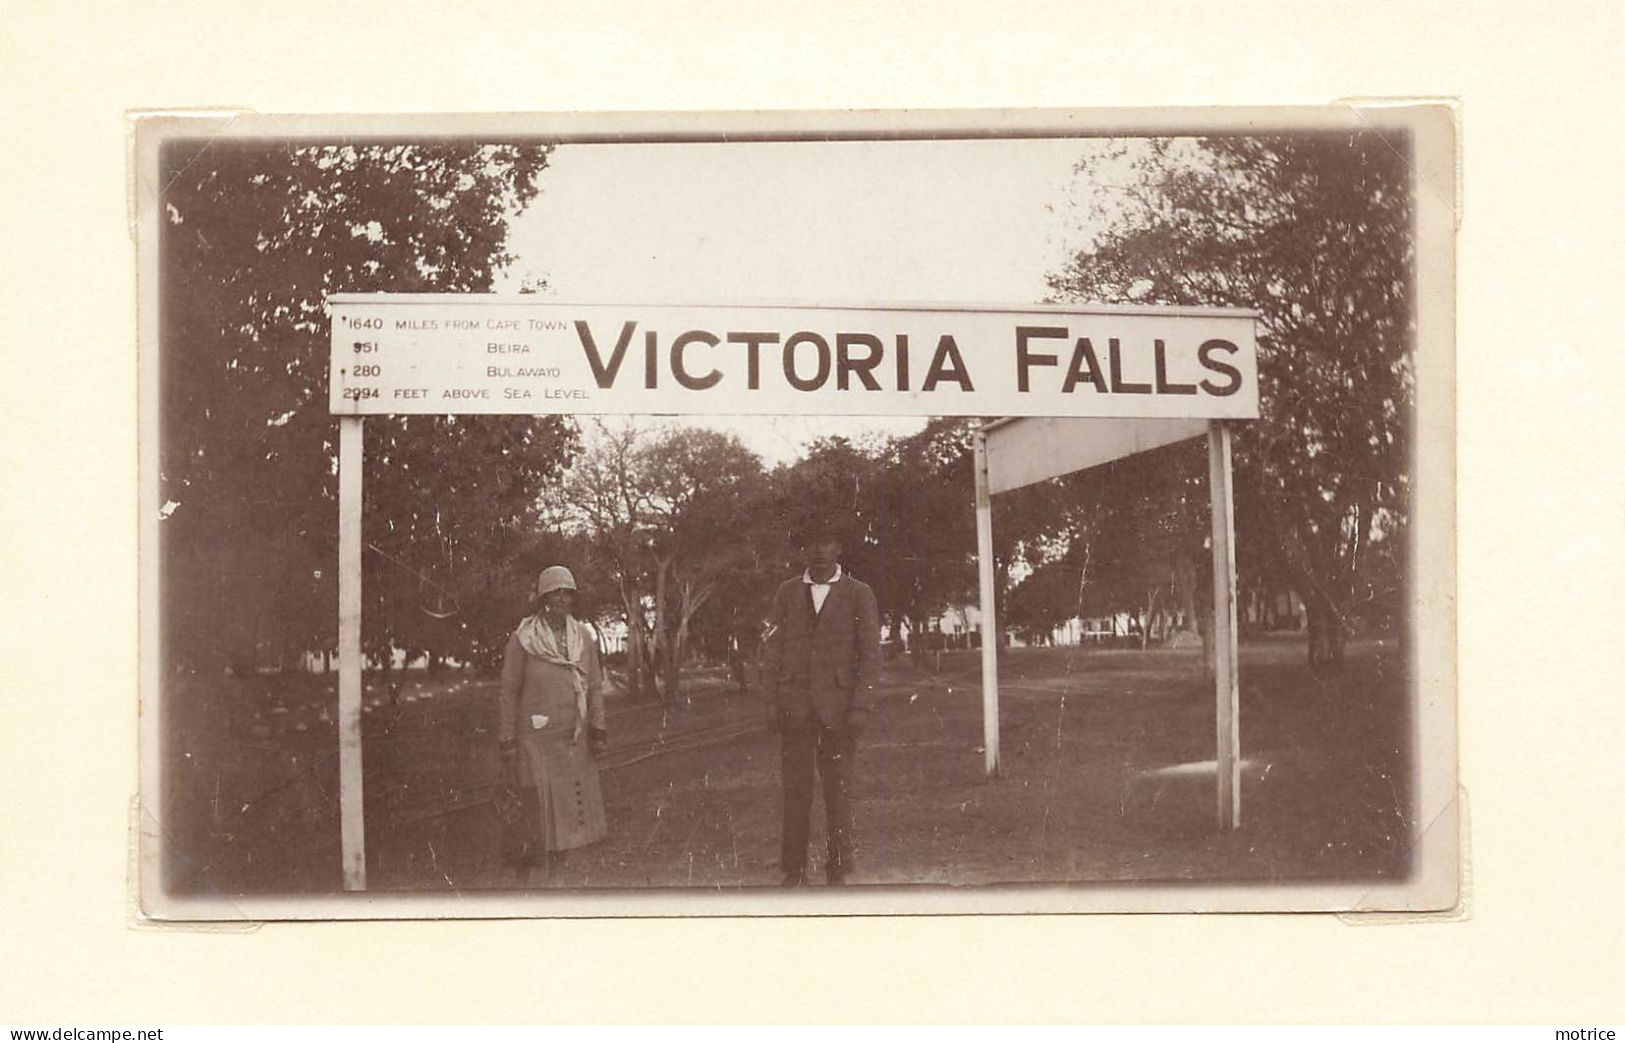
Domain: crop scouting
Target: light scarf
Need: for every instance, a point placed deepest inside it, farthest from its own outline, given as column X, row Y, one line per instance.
column 538, row 639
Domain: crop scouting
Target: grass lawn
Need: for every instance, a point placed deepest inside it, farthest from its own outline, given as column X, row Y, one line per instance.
column 1103, row 779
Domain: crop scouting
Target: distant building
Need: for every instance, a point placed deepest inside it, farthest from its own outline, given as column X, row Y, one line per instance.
column 1278, row 610
column 318, row 663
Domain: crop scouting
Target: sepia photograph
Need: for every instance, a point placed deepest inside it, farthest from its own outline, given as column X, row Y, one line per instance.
column 797, row 513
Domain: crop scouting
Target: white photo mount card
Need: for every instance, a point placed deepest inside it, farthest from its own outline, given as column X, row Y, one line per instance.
column 797, row 513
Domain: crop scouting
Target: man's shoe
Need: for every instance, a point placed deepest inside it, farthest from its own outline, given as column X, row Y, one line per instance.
column 794, row 878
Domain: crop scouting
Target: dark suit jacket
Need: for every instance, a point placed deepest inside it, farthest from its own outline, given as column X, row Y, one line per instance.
column 827, row 663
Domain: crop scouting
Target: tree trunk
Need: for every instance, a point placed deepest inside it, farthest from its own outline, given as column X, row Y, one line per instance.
column 693, row 599
column 663, row 653
column 672, row 668
column 632, row 606
column 634, row 647
column 1327, row 633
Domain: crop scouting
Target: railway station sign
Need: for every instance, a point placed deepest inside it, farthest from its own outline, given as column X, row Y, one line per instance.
column 487, row 354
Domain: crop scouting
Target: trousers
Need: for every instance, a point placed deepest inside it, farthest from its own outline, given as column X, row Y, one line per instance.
column 809, row 746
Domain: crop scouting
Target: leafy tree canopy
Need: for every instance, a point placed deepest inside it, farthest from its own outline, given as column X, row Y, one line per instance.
column 256, row 236
column 1313, row 231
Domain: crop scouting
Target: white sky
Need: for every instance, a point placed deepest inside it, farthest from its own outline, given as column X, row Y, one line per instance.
column 807, row 222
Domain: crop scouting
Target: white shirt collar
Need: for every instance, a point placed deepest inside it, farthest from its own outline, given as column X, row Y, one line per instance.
column 806, row 577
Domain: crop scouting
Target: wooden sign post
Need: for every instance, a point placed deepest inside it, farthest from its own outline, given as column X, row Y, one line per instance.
column 351, row 831
column 1226, row 676
column 987, row 592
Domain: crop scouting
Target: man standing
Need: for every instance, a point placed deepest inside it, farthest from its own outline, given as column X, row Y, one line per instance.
column 819, row 672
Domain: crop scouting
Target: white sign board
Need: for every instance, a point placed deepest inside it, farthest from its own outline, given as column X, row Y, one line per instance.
column 432, row 353
column 1030, row 449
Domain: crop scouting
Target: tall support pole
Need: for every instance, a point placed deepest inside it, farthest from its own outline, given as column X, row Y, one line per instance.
column 990, row 630
column 1226, row 678
column 351, row 830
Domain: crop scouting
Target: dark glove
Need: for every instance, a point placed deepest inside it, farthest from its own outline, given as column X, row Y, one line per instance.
column 856, row 722
column 597, row 740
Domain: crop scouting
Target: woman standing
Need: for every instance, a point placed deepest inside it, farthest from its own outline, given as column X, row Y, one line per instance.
column 552, row 725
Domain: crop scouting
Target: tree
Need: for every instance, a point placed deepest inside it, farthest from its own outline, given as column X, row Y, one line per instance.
column 256, row 235
column 839, row 479
column 674, row 511
column 1314, row 231
column 451, row 576
column 603, row 498
column 1125, row 537
column 1151, row 541
column 925, row 525
column 1046, row 598
column 705, row 487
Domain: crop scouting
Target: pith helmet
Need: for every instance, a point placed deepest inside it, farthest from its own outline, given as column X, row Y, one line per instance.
column 554, row 577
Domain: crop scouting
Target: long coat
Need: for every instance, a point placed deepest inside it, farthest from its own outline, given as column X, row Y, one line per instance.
column 562, row 803
column 823, row 663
